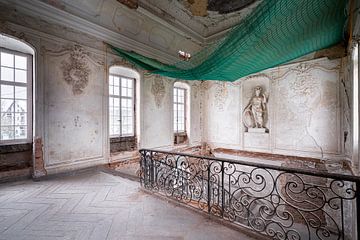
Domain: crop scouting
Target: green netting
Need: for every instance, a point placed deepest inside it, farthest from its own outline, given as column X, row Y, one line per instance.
column 276, row 32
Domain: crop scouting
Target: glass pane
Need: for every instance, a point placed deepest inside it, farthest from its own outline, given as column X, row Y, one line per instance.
column 116, row 130
column 20, row 92
column 116, row 81
column 111, row 90
column 116, row 91
column 116, row 111
column 111, row 80
column 20, row 132
column 117, row 102
column 7, row 119
column 7, row 59
column 123, row 82
column 7, row 74
column 20, row 62
column 7, row 133
column 20, row 119
column 123, row 103
column 7, row 91
column 7, row 105
column 130, row 83
column 20, row 106
column 123, row 92
column 20, row 76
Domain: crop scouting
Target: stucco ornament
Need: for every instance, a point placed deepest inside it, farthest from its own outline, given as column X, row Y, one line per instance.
column 255, row 112
column 221, row 94
column 75, row 70
column 158, row 90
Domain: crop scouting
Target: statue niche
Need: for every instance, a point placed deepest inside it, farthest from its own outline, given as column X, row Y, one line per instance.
column 255, row 113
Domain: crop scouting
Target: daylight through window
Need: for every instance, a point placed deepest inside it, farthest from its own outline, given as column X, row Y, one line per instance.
column 121, row 105
column 179, row 109
column 15, row 96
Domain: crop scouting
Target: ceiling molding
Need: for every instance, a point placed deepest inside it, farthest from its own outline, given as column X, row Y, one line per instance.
column 57, row 16
column 179, row 27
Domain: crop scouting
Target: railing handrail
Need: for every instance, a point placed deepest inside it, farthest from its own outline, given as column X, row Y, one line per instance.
column 310, row 172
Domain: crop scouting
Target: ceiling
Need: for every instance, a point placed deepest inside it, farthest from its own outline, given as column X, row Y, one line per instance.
column 153, row 28
column 209, row 19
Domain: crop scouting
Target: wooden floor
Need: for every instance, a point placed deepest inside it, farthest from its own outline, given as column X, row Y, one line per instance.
column 97, row 205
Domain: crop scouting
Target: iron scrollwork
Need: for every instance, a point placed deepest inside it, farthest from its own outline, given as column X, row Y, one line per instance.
column 272, row 201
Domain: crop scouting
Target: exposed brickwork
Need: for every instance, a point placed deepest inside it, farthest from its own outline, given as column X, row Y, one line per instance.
column 15, row 157
column 122, row 144
column 39, row 169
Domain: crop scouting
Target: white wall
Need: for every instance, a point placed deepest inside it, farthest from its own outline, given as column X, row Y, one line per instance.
column 305, row 111
column 71, row 98
column 307, row 108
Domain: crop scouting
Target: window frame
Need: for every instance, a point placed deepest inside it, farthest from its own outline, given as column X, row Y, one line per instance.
column 184, row 112
column 133, row 98
column 29, row 97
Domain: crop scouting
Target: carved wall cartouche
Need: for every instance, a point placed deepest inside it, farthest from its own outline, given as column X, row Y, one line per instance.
column 76, row 71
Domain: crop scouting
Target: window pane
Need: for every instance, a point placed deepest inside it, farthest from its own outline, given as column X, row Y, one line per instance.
column 116, row 91
column 7, row 74
column 130, row 83
column 7, row 133
column 7, row 105
column 123, row 82
column 7, row 59
column 117, row 102
column 20, row 106
column 20, row 76
column 111, row 80
column 20, row 62
column 7, row 118
column 20, row 92
column 116, row 81
column 111, row 90
column 20, row 132
column 20, row 119
column 7, row 91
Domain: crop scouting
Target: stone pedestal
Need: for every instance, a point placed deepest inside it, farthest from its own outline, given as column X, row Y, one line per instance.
column 256, row 130
column 256, row 141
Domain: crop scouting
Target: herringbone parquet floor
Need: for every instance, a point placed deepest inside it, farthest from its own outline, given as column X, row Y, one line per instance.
column 97, row 205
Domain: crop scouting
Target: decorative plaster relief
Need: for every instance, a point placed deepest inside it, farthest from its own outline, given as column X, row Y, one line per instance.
column 126, row 22
column 221, row 94
column 4, row 28
column 76, row 71
column 158, row 90
column 307, row 98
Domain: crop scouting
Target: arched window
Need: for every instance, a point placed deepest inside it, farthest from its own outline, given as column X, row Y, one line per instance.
column 122, row 108
column 15, row 91
column 181, row 116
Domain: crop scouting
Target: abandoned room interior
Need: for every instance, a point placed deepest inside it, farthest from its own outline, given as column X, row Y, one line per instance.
column 179, row 119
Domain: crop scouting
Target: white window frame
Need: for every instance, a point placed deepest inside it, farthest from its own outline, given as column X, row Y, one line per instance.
column 28, row 84
column 176, row 124
column 120, row 98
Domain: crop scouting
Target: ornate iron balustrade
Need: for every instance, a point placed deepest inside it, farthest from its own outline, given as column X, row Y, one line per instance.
column 279, row 202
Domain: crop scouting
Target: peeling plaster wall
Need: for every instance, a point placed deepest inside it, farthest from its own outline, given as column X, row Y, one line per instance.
column 308, row 111
column 71, row 98
column 158, row 112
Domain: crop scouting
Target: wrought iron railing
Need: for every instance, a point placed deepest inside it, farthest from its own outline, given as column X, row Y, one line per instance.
column 276, row 201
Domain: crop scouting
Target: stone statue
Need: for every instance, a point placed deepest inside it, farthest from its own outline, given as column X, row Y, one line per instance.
column 255, row 111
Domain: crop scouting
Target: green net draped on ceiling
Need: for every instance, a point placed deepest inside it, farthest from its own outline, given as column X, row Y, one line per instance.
column 276, row 32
